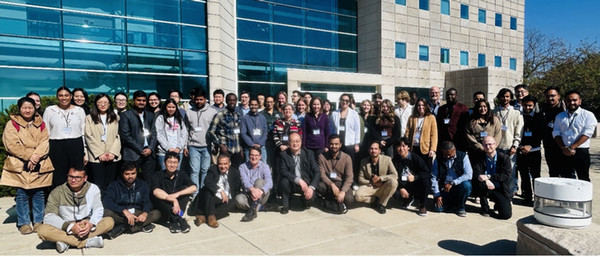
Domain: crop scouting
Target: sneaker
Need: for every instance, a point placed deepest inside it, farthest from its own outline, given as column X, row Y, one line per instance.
column 148, row 228
column 61, row 247
column 174, row 227
column 116, row 231
column 422, row 211
column 36, row 226
column 95, row 242
column 250, row 215
column 344, row 208
column 185, row 227
column 407, row 202
column 26, row 229
column 461, row 213
column 212, row 221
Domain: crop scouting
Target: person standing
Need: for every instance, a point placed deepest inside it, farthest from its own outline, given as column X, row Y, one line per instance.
column 224, row 131
column 448, row 119
column 512, row 127
column 434, row 100
column 552, row 107
column 316, row 128
column 346, row 123
column 384, row 129
column 529, row 156
column 422, row 132
column 120, row 102
column 138, row 136
column 482, row 124
column 573, row 129
column 171, row 132
column 102, row 141
column 254, row 130
column 244, row 106
column 81, row 99
column 66, row 127
column 271, row 115
column 153, row 103
column 27, row 166
column 403, row 110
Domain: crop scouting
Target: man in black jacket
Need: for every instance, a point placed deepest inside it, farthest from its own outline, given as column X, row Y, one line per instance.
column 127, row 201
column 299, row 173
column 414, row 176
column 222, row 183
column 138, row 137
column 529, row 156
column 491, row 179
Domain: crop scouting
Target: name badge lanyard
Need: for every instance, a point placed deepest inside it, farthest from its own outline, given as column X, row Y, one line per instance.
column 505, row 117
column 104, row 128
column 572, row 120
column 66, row 117
column 199, row 116
column 256, row 124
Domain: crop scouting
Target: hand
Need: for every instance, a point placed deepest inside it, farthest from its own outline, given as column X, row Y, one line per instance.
column 490, row 185
column 410, row 178
column 513, row 150
column 255, row 193
column 142, row 218
column 85, row 161
column 326, row 149
column 224, row 197
column 303, row 185
column 335, row 190
column 404, row 193
column 447, row 187
column 109, row 157
column 34, row 158
column 146, row 152
column 223, row 149
column 431, row 154
column 482, row 178
column 382, row 142
column 82, row 228
column 186, row 152
column 130, row 217
column 356, row 148
column 283, row 147
column 308, row 193
column 375, row 179
column 30, row 165
column 525, row 149
column 438, row 202
column 176, row 208
column 340, row 197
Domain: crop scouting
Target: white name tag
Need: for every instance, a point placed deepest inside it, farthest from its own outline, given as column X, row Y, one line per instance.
column 67, row 130
column 342, row 128
column 103, row 138
column 198, row 129
column 146, row 132
column 132, row 210
column 446, row 121
column 417, row 136
column 333, row 175
column 365, row 130
column 483, row 134
column 256, row 132
column 504, row 128
column 384, row 133
column 286, row 138
column 527, row 133
column 236, row 130
column 404, row 178
column 316, row 131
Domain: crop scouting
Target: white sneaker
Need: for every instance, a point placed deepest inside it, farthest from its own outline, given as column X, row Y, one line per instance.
column 95, row 242
column 61, row 247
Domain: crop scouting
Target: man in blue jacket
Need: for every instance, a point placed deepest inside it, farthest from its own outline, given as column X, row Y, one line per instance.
column 127, row 201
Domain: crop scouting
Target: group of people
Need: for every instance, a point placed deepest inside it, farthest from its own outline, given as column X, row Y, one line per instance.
column 113, row 170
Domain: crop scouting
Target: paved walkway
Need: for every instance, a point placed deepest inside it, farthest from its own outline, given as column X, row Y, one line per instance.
column 361, row 231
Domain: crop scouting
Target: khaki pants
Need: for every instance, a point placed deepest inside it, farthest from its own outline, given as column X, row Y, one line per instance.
column 52, row 234
column 243, row 201
column 365, row 193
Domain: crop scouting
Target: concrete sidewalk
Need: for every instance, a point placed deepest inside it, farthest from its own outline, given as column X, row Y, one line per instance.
column 362, row 231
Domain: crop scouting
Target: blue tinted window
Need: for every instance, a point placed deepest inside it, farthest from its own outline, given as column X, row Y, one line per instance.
column 94, row 56
column 249, row 71
column 93, row 28
column 254, row 51
column 445, row 7
column 153, row 60
column 160, row 83
column 31, row 52
column 498, row 20
column 319, row 20
column 97, row 82
column 287, row 54
column 28, row 21
column 346, row 24
column 319, row 5
column 401, row 2
column 152, row 34
column 423, row 53
column 287, row 15
column 497, row 61
column 115, row 7
column 190, row 11
column 464, row 58
column 193, row 38
column 188, row 83
column 287, row 35
column 481, row 60
column 513, row 63
column 254, row 30
column 347, row 60
column 513, row 23
column 318, row 57
column 401, row 50
column 464, row 11
column 345, row 42
column 318, row 38
column 424, row 5
column 18, row 82
column 445, row 55
column 165, row 10
column 254, row 10
column 482, row 16
column 194, row 62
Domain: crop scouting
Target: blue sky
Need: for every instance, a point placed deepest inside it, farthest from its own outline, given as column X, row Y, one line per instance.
column 572, row 20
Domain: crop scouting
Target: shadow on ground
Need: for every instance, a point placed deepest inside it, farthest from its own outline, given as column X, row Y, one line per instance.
column 12, row 215
column 500, row 247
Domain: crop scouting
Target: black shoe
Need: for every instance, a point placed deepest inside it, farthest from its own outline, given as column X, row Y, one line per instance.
column 484, row 213
column 407, row 202
column 148, row 228
column 285, row 210
column 380, row 208
column 174, row 227
column 344, row 208
column 250, row 215
column 271, row 207
column 116, row 231
column 185, row 227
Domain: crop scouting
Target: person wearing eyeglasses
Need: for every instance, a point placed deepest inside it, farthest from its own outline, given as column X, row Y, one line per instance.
column 74, row 214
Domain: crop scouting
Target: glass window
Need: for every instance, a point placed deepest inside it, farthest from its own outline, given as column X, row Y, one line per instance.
column 287, row 54
column 319, row 20
column 254, row 10
column 193, row 38
column 423, row 53
column 192, row 82
column 346, row 24
column 445, row 7
column 345, row 42
column 318, row 38
column 348, row 61
column 18, row 82
column 193, row 12
column 267, row 89
column 249, row 71
column 287, row 35
column 97, row 82
column 251, row 51
column 401, row 50
column 152, row 34
column 194, row 62
column 482, row 16
column 49, row 3
column 464, row 11
column 31, row 52
column 481, row 60
column 29, row 21
column 254, row 30
column 445, row 55
column 164, row 10
column 318, row 57
column 424, row 5
column 320, row 5
column 513, row 23
column 93, row 28
column 149, row 83
column 497, row 61
column 115, row 7
column 346, row 7
column 153, row 60
column 94, row 56
column 498, row 20
column 287, row 15
column 464, row 58
column 401, row 2
column 513, row 63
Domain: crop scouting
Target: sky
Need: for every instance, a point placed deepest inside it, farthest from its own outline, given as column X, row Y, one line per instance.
column 572, row 20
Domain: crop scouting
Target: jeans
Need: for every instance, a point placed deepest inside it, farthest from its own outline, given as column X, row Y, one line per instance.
column 263, row 153
column 161, row 160
column 22, row 199
column 199, row 164
column 456, row 197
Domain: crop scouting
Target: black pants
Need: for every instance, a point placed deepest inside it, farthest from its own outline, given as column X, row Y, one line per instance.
column 502, row 202
column 209, row 204
column 102, row 173
column 236, row 159
column 166, row 208
column 120, row 218
column 316, row 152
column 528, row 166
column 418, row 189
column 580, row 163
column 428, row 160
column 553, row 155
column 326, row 192
column 286, row 188
column 65, row 154
column 147, row 166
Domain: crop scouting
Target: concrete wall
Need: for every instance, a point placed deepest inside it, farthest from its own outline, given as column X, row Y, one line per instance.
column 222, row 45
column 487, row 79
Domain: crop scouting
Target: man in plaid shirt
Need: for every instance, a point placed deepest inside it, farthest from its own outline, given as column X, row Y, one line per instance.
column 224, row 131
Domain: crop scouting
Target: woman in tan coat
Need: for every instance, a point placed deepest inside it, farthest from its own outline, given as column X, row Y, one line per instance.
column 422, row 131
column 102, row 142
column 27, row 166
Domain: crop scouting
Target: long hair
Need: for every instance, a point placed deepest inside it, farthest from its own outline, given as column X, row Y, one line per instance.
column 416, row 109
column 488, row 117
column 165, row 115
column 390, row 115
column 362, row 111
column 85, row 95
column 151, row 109
column 110, row 113
column 312, row 112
